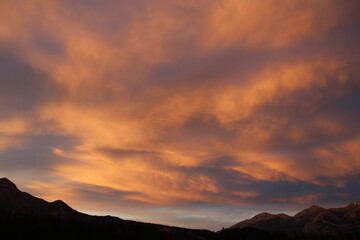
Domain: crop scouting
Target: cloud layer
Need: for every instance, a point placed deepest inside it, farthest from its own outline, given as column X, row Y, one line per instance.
column 179, row 111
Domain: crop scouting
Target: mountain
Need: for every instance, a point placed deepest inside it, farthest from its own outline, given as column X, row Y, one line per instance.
column 16, row 203
column 23, row 216
column 313, row 221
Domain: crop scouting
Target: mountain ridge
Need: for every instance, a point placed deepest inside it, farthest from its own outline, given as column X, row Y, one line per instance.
column 313, row 220
column 40, row 219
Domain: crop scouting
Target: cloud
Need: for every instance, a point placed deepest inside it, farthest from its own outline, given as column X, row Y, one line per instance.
column 116, row 153
column 260, row 25
column 22, row 87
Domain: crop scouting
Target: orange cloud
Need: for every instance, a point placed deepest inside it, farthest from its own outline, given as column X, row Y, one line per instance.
column 270, row 24
column 11, row 131
column 165, row 100
column 129, row 129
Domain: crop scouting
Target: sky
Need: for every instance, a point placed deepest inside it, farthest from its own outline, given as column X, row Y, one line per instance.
column 190, row 113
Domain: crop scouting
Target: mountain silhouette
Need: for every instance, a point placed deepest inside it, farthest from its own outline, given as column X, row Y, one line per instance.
column 314, row 220
column 23, row 216
column 14, row 201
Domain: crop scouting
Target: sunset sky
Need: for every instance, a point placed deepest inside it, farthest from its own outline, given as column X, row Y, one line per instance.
column 195, row 113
